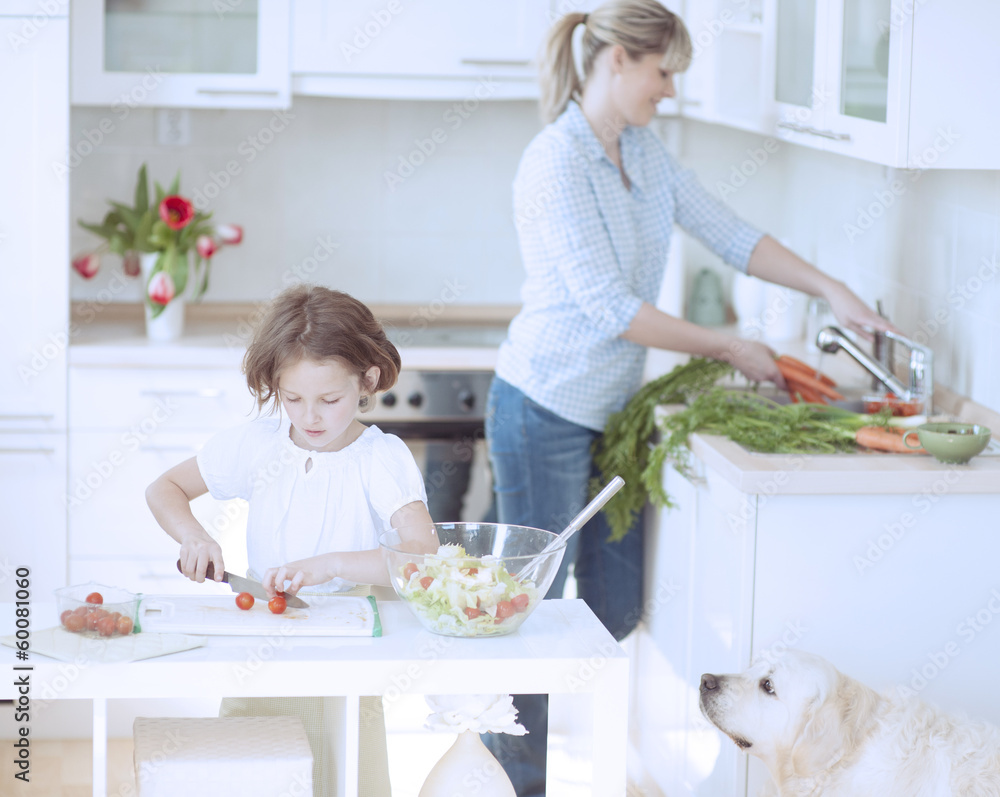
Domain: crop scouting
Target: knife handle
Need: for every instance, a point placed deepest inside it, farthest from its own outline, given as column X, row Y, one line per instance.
column 209, row 571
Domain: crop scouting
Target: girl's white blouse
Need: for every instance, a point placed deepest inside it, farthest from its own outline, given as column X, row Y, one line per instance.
column 341, row 503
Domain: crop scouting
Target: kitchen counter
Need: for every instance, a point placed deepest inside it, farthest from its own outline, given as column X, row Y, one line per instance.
column 217, row 338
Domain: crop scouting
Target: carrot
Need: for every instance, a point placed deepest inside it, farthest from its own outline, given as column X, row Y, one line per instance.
column 804, row 392
column 785, row 363
column 878, row 438
column 804, row 380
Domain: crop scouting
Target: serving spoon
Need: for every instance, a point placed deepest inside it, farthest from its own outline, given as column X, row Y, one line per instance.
column 574, row 526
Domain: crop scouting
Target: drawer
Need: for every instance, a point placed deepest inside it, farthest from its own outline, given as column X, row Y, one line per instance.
column 106, row 496
column 148, row 576
column 144, row 401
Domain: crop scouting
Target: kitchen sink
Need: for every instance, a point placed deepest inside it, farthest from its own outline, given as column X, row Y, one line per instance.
column 853, row 399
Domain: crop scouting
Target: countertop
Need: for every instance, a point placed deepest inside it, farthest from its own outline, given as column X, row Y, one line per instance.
column 854, row 474
column 218, row 339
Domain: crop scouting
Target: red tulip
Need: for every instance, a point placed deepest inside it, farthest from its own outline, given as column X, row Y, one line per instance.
column 87, row 265
column 176, row 212
column 130, row 264
column 161, row 288
column 230, row 233
column 206, row 246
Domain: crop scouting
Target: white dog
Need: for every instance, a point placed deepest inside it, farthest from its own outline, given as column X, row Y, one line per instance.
column 822, row 733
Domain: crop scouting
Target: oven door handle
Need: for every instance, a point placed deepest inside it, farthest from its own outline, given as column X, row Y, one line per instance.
column 461, row 429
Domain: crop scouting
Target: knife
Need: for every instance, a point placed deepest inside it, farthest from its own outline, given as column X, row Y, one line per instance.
column 239, row 584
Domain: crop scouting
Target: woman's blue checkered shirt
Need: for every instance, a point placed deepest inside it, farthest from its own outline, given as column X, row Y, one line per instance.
column 594, row 251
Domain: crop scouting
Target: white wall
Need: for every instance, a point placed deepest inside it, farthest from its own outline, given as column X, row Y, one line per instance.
column 322, row 177
column 928, row 249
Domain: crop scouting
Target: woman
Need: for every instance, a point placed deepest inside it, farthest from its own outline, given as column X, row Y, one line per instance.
column 595, row 198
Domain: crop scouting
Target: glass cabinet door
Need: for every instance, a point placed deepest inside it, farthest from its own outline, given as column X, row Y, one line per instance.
column 796, row 52
column 180, row 36
column 181, row 53
column 864, row 78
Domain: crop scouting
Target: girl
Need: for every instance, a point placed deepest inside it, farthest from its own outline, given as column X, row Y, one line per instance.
column 596, row 197
column 321, row 486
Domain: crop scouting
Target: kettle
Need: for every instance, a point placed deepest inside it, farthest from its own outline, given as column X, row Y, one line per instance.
column 706, row 305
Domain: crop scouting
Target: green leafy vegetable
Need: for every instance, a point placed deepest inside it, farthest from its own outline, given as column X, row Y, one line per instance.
column 624, row 448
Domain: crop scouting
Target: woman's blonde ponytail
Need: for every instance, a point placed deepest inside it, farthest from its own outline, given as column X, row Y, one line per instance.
column 640, row 26
column 559, row 79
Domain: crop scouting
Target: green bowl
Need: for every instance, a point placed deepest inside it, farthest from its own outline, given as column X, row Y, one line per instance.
column 952, row 443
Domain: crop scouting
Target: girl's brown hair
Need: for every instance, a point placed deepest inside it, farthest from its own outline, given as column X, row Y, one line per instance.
column 311, row 322
column 640, row 26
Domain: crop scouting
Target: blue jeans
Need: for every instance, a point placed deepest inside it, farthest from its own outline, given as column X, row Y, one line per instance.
column 542, row 465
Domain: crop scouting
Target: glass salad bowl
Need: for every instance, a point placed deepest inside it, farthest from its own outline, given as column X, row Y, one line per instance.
column 468, row 579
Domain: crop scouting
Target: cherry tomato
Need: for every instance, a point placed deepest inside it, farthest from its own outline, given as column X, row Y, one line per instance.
column 505, row 609
column 94, row 618
column 106, row 626
column 83, row 611
column 95, row 597
column 64, row 615
column 124, row 625
column 409, row 570
column 75, row 622
column 472, row 571
column 520, row 602
column 244, row 600
column 426, row 581
column 471, row 613
column 277, row 604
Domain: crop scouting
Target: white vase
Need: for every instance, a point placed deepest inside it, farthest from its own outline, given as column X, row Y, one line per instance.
column 169, row 324
column 467, row 767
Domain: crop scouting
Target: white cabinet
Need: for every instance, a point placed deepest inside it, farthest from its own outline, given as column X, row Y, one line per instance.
column 890, row 81
column 34, row 234
column 127, row 427
column 440, row 49
column 699, row 602
column 896, row 590
column 175, row 53
column 33, row 494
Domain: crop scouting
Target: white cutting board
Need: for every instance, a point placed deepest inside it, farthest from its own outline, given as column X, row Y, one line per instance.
column 327, row 615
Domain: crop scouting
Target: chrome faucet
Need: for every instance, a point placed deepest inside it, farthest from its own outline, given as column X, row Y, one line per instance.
column 921, row 365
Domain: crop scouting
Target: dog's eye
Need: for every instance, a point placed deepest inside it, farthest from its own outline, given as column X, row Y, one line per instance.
column 767, row 686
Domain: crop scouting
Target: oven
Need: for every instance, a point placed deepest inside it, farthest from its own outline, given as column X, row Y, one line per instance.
column 440, row 415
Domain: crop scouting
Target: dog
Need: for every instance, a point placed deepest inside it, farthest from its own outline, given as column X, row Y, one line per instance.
column 820, row 732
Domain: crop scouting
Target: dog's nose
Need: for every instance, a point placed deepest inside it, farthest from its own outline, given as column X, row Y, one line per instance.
column 709, row 682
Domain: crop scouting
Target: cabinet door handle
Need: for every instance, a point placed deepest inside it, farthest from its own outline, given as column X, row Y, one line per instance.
column 242, row 92
column 496, row 62
column 690, row 103
column 28, row 417
column 40, row 450
column 209, row 392
column 812, row 131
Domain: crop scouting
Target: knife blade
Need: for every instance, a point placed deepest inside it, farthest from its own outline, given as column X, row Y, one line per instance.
column 240, row 584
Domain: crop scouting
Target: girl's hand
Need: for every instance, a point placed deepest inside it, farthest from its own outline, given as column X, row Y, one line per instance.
column 854, row 314
column 303, row 573
column 754, row 360
column 196, row 554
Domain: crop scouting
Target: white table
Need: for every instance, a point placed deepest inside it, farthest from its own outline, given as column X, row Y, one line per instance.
column 562, row 650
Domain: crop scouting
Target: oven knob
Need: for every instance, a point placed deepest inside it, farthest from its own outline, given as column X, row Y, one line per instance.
column 415, row 399
column 466, row 400
column 389, row 400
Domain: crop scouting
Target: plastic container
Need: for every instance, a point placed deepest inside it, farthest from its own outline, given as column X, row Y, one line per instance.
column 475, row 593
column 115, row 615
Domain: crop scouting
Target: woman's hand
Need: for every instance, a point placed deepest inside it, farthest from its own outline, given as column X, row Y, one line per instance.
column 197, row 552
column 854, row 314
column 303, row 573
column 754, row 360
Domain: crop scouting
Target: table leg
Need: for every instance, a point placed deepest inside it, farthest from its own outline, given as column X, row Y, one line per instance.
column 352, row 742
column 100, row 744
column 610, row 729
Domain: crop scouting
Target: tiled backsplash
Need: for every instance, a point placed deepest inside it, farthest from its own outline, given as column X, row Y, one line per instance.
column 409, row 202
column 390, row 201
column 926, row 243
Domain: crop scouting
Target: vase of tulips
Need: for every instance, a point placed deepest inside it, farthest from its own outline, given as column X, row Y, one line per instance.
column 167, row 243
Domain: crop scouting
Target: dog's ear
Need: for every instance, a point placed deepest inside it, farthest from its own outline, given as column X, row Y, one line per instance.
column 838, row 722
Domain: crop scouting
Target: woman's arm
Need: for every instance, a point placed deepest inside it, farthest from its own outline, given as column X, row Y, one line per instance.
column 169, row 498
column 655, row 329
column 773, row 262
column 362, row 567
